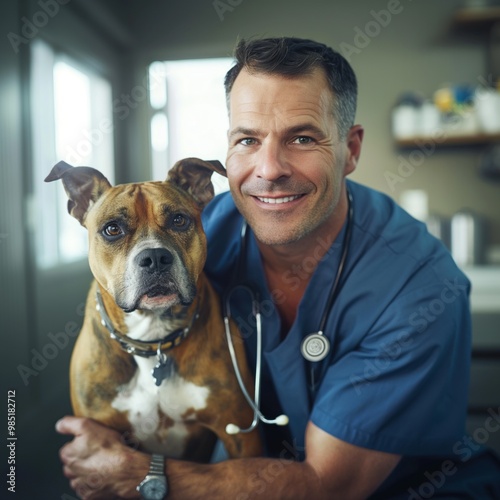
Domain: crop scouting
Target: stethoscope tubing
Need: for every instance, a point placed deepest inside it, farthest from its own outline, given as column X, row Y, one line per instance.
column 345, row 250
column 255, row 402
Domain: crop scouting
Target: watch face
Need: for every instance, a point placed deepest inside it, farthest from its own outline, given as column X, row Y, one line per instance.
column 154, row 489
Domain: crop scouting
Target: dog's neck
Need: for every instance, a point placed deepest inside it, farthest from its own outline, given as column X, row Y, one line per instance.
column 147, row 333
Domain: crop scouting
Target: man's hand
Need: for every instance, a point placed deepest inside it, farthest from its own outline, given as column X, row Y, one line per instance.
column 98, row 463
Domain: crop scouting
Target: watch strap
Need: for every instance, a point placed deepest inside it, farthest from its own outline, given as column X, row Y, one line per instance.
column 157, row 465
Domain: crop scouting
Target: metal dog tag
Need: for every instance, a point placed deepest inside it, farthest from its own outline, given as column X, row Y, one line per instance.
column 160, row 371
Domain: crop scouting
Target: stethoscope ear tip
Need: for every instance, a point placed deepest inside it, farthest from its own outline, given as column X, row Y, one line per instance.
column 232, row 429
column 282, row 420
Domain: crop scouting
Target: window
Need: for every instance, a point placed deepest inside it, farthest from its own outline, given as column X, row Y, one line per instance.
column 72, row 121
column 189, row 114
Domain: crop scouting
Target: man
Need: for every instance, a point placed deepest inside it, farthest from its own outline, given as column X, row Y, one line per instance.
column 384, row 411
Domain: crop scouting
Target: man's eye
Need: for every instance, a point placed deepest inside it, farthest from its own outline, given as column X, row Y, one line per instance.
column 303, row 140
column 248, row 141
column 112, row 230
column 180, row 221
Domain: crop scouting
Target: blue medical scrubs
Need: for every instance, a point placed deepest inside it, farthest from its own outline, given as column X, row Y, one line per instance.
column 397, row 375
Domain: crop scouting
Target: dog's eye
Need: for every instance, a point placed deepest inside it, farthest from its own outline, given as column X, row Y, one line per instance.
column 112, row 230
column 180, row 221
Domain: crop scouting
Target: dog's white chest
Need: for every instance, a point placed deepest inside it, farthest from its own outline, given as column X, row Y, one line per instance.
column 158, row 415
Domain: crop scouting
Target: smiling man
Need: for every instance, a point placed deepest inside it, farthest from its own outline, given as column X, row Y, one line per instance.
column 382, row 408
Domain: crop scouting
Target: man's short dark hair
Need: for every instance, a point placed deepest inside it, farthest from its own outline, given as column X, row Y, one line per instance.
column 292, row 57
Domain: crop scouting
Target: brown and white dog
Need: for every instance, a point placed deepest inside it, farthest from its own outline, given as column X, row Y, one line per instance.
column 152, row 359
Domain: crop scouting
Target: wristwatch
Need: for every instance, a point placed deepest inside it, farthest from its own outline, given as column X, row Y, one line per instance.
column 154, row 486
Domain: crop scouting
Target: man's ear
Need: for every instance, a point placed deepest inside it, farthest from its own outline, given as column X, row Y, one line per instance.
column 194, row 176
column 83, row 185
column 354, row 141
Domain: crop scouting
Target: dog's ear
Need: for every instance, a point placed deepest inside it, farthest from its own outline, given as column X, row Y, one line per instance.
column 194, row 176
column 83, row 185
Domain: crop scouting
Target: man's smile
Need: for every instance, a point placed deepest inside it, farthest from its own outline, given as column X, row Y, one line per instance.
column 279, row 200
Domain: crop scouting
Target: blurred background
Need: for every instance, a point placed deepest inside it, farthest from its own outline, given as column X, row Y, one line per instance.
column 131, row 86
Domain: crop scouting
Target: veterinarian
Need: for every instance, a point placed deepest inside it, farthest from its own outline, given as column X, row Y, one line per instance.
column 366, row 327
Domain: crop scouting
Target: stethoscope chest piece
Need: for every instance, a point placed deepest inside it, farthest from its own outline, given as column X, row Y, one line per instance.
column 315, row 347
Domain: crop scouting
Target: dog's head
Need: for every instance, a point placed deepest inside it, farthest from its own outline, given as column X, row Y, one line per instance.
column 146, row 242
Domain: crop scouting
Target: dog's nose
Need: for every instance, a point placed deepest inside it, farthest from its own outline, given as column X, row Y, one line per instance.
column 154, row 260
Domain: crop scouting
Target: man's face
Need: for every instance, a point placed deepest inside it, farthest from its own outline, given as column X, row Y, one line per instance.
column 285, row 162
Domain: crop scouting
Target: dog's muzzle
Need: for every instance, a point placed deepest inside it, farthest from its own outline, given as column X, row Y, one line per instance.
column 157, row 281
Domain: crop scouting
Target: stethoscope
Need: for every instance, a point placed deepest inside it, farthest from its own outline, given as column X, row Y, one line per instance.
column 314, row 348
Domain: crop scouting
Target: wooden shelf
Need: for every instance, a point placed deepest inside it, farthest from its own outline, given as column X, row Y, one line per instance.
column 450, row 140
column 478, row 16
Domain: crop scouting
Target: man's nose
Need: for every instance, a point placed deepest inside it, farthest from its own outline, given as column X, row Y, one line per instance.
column 272, row 161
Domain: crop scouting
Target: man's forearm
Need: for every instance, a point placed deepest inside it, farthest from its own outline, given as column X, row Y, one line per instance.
column 243, row 478
column 235, row 479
